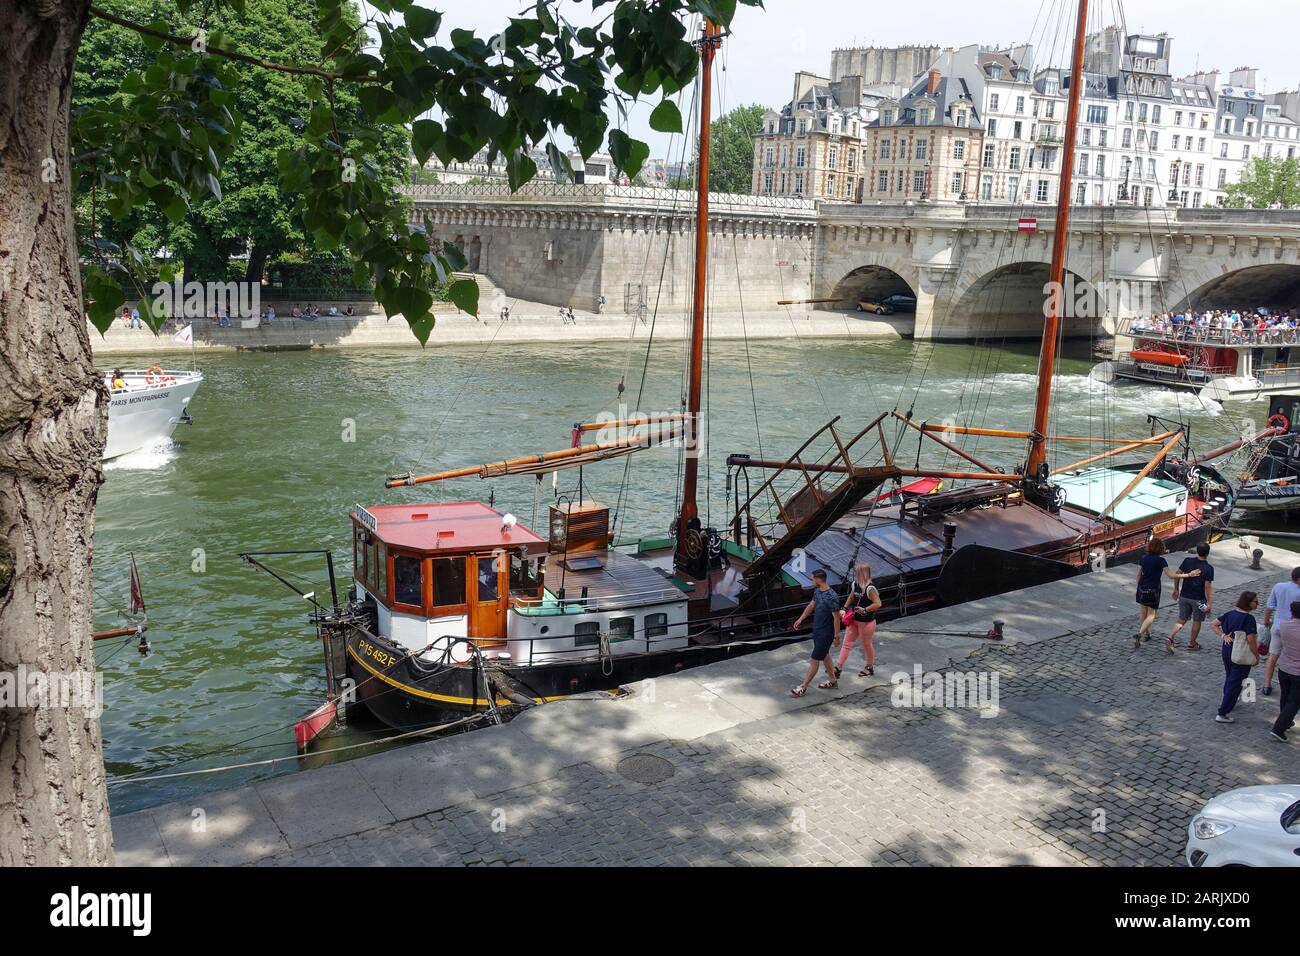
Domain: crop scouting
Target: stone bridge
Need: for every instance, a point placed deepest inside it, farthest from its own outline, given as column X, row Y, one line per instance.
column 972, row 271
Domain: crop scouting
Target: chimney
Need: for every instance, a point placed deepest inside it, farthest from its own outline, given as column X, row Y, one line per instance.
column 933, row 85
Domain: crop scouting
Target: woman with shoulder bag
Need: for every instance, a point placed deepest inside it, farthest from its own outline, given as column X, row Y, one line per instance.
column 1240, row 651
column 859, row 619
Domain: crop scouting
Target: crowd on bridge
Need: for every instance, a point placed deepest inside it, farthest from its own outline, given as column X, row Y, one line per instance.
column 1229, row 326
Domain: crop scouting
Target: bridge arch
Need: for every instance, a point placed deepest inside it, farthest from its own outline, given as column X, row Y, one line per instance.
column 870, row 282
column 1274, row 285
column 1007, row 301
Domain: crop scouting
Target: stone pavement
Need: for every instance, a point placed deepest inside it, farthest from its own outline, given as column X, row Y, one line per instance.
column 1097, row 755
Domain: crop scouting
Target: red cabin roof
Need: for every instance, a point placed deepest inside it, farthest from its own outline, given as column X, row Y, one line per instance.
column 448, row 526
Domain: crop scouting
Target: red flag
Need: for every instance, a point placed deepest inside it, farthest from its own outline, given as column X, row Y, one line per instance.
column 137, row 596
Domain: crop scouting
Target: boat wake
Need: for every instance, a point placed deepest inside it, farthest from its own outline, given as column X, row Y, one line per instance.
column 145, row 459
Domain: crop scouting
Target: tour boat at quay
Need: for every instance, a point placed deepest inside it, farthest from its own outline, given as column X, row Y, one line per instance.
column 1220, row 364
column 457, row 609
column 148, row 409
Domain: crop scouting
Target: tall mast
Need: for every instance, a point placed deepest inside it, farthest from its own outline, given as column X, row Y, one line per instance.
column 689, row 554
column 1052, row 325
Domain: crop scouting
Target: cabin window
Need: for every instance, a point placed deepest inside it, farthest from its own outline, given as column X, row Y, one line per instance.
column 656, row 626
column 406, row 581
column 448, row 582
column 381, row 572
column 621, row 629
column 586, row 634
column 487, row 579
column 372, row 565
column 523, row 576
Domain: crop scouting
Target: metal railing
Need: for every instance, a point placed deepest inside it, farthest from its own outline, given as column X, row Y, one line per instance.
column 1203, row 335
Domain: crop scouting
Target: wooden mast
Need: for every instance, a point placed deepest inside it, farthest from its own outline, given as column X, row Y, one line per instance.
column 1051, row 327
column 689, row 552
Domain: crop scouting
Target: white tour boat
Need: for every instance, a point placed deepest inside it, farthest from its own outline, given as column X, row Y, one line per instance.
column 1221, row 364
column 147, row 410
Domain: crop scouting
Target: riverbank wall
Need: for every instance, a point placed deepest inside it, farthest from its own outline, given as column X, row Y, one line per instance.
column 528, row 322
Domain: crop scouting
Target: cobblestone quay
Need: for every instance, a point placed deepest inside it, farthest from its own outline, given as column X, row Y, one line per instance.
column 1093, row 754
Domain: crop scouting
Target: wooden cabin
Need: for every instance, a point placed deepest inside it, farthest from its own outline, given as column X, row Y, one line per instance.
column 462, row 569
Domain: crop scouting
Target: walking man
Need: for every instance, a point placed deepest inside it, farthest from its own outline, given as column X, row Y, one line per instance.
column 824, row 608
column 1284, row 652
column 1280, row 599
column 1195, row 596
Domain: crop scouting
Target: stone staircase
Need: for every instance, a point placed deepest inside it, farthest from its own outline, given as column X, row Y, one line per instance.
column 488, row 291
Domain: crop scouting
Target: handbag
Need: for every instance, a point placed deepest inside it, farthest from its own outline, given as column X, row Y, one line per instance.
column 1148, row 594
column 861, row 614
column 1241, row 652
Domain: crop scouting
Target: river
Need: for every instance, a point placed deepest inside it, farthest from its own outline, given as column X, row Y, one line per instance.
column 285, row 443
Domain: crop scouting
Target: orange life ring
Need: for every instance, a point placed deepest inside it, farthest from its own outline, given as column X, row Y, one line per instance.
column 154, row 375
column 1279, row 421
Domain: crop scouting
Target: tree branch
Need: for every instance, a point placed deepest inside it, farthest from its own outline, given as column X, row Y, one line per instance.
column 229, row 54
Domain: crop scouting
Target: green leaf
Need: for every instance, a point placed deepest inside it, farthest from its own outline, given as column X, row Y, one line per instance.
column 520, row 168
column 376, row 100
column 666, row 118
column 464, row 294
column 425, row 133
column 421, row 23
column 628, row 154
column 455, row 258
column 560, row 164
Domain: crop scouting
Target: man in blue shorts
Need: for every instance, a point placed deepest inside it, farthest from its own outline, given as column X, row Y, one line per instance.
column 1195, row 596
column 825, row 610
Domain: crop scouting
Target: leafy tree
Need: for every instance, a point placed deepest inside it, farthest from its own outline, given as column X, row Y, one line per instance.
column 731, row 149
column 1266, row 183
column 253, row 214
column 166, row 141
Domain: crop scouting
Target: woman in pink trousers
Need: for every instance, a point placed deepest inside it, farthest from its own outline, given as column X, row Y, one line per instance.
column 859, row 618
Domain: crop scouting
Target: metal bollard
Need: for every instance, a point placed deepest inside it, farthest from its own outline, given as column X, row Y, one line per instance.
column 995, row 632
column 1255, row 557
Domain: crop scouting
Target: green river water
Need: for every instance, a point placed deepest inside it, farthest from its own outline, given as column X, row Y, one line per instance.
column 268, row 465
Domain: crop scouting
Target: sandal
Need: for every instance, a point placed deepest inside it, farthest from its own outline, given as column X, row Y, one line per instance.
column 1193, row 647
column 839, row 672
column 798, row 691
column 1169, row 646
column 828, row 685
column 867, row 672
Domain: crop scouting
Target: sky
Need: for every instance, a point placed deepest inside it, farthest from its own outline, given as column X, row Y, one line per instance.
column 768, row 46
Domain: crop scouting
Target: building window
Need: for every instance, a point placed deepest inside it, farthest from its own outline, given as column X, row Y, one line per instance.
column 988, row 155
column 959, row 149
column 1097, row 115
column 768, row 156
column 799, row 156
column 1020, row 104
column 1155, row 139
column 803, row 127
column 958, row 183
column 767, row 182
column 884, row 149
column 1146, row 195
column 1126, row 141
column 901, row 181
column 830, row 184
column 918, row 181
column 882, row 182
column 1081, row 195
column 798, row 183
column 1155, row 113
column 1083, row 164
column 993, row 127
column 1013, row 187
column 832, row 159
column 1245, row 151
column 1015, row 157
column 993, row 102
column 1101, row 166
column 986, row 188
column 1041, row 192
column 1200, row 174
column 1223, row 178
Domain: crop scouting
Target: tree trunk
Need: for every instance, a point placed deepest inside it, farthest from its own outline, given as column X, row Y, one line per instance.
column 53, row 417
column 256, row 264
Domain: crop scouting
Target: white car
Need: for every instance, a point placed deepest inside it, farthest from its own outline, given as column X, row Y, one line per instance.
column 1252, row 826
